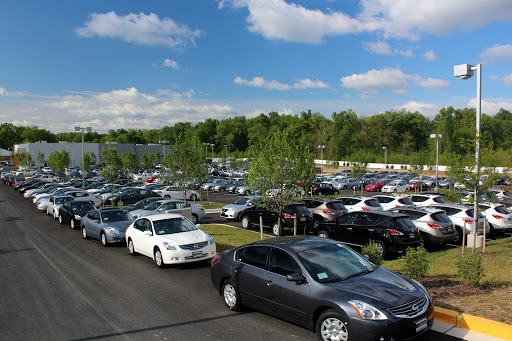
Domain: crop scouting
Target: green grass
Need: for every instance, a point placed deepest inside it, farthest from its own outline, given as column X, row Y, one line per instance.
column 209, row 205
column 227, row 237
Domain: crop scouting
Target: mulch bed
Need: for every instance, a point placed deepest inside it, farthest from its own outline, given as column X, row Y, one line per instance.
column 440, row 288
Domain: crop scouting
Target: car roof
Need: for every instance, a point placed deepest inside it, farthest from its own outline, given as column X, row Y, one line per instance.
column 295, row 243
column 427, row 209
column 164, row 216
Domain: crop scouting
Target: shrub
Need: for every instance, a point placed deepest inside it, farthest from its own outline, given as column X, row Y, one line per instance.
column 416, row 263
column 471, row 269
column 371, row 251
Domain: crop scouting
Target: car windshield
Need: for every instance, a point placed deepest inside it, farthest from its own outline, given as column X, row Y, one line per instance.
column 152, row 206
column 334, row 263
column 242, row 201
column 86, row 206
column 113, row 216
column 174, row 225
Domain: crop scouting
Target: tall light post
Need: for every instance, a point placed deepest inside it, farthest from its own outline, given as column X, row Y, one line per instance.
column 465, row 71
column 385, row 155
column 206, row 150
column 163, row 142
column 213, row 145
column 83, row 129
column 226, row 152
column 322, row 162
column 437, row 137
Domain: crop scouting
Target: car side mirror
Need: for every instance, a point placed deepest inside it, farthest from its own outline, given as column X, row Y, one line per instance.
column 148, row 233
column 296, row 277
column 249, row 204
column 198, row 226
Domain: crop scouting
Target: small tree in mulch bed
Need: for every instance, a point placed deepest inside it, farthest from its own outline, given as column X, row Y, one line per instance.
column 416, row 263
column 471, row 269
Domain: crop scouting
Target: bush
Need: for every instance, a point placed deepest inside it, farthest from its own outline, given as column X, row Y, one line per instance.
column 416, row 263
column 371, row 251
column 471, row 269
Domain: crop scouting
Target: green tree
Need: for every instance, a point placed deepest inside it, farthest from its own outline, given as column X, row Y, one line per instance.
column 111, row 163
column 89, row 159
column 279, row 168
column 147, row 160
column 40, row 157
column 58, row 161
column 129, row 161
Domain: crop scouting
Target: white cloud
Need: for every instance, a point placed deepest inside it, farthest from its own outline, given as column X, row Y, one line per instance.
column 278, row 19
column 426, row 109
column 308, row 83
column 508, row 79
column 491, row 108
column 171, row 63
column 146, row 29
column 392, row 79
column 499, row 53
column 378, row 47
column 430, row 55
column 260, row 82
column 3, row 92
column 405, row 53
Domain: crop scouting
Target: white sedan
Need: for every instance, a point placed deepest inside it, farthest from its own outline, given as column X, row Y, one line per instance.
column 396, row 186
column 172, row 192
column 169, row 239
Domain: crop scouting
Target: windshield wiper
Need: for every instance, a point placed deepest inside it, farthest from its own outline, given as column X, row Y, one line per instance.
column 364, row 272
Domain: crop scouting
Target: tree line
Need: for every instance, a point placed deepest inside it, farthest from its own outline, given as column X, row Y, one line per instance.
column 346, row 135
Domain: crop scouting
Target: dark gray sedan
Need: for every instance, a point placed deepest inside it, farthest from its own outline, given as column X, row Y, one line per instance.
column 107, row 224
column 325, row 286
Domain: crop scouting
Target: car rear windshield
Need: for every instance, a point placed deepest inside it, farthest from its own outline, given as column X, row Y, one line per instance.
column 502, row 210
column 406, row 201
column 471, row 213
column 338, row 206
column 439, row 200
column 372, row 203
column 403, row 224
column 299, row 209
column 440, row 217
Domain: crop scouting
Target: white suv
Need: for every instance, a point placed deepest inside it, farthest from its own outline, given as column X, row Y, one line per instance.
column 427, row 199
column 360, row 204
column 460, row 214
column 498, row 216
column 391, row 201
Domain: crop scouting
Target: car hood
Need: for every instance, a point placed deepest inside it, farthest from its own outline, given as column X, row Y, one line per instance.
column 382, row 288
column 184, row 238
column 232, row 206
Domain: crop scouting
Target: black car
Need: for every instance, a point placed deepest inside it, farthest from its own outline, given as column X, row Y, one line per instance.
column 392, row 232
column 139, row 205
column 130, row 195
column 71, row 212
column 325, row 286
column 251, row 217
column 321, row 188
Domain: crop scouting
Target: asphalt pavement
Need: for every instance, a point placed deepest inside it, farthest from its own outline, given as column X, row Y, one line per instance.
column 55, row 285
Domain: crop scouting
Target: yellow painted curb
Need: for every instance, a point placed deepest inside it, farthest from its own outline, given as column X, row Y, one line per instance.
column 474, row 323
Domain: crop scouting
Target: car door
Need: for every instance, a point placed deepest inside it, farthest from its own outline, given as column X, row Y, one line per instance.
column 141, row 242
column 342, row 230
column 92, row 224
column 287, row 299
column 65, row 212
column 249, row 272
column 363, row 227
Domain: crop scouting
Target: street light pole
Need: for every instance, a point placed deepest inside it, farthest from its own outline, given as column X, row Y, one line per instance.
column 213, row 145
column 437, row 137
column 322, row 159
column 164, row 142
column 206, row 150
column 83, row 129
column 226, row 152
column 385, row 155
column 465, row 71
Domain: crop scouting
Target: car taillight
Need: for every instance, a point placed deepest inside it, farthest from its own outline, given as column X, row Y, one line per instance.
column 434, row 226
column 497, row 216
column 327, row 212
column 394, row 232
column 215, row 259
column 469, row 221
column 365, row 208
column 287, row 216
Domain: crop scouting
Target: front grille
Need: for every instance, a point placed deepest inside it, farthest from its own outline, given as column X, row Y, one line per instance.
column 411, row 309
column 195, row 246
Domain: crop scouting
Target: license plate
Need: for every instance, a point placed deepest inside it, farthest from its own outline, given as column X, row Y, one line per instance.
column 421, row 324
column 302, row 219
column 411, row 235
column 197, row 254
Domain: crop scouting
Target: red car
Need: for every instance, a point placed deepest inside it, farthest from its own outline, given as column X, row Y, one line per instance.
column 419, row 186
column 375, row 186
column 152, row 178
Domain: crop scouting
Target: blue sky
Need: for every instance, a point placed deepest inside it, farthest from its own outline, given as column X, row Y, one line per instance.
column 147, row 64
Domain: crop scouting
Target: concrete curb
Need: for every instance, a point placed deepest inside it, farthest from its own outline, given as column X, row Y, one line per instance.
column 473, row 323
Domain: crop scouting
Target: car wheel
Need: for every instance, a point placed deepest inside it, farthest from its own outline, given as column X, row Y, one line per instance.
column 222, row 189
column 193, row 197
column 55, row 215
column 458, row 239
column 381, row 248
column 84, row 232
column 195, row 218
column 159, row 260
column 166, row 196
column 336, row 192
column 60, row 219
column 323, row 234
column 246, row 222
column 72, row 223
column 394, row 190
column 120, row 202
column 319, row 193
column 103, row 239
column 231, row 296
column 275, row 229
column 332, row 325
column 131, row 248
column 407, row 189
column 247, row 193
column 424, row 241
column 345, row 187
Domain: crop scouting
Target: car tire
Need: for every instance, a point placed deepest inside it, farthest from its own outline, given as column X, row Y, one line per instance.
column 159, row 260
column 167, row 196
column 458, row 232
column 336, row 192
column 120, row 202
column 275, row 229
column 131, row 247
column 246, row 222
column 333, row 325
column 247, row 193
column 381, row 248
column 231, row 295
column 319, row 193
column 84, row 233
column 193, row 197
column 424, row 240
column 222, row 189
column 323, row 234
column 395, row 190
column 60, row 219
column 194, row 218
column 55, row 215
column 407, row 189
column 103, row 239
column 72, row 223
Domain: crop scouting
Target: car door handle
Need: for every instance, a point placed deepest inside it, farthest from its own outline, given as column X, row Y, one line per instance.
column 236, row 270
column 269, row 283
column 371, row 230
column 349, row 228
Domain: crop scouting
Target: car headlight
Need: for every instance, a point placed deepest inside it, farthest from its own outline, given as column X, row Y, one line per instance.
column 367, row 311
column 77, row 217
column 169, row 246
column 210, row 240
column 111, row 230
